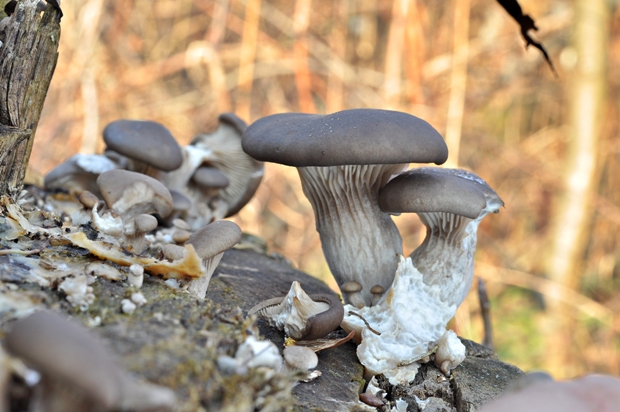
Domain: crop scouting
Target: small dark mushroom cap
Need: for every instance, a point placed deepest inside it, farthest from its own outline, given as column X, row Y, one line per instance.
column 358, row 136
column 62, row 350
column 433, row 189
column 145, row 141
column 180, row 201
column 377, row 290
column 350, row 287
column 215, row 238
column 210, row 178
column 234, row 121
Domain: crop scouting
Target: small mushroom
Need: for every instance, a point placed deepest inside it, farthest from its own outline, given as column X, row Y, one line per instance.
column 343, row 160
column 298, row 359
column 301, row 316
column 450, row 203
column 150, row 146
column 351, row 291
column 131, row 194
column 210, row 178
column 135, row 277
column 377, row 291
column 77, row 373
column 210, row 243
column 79, row 173
column 225, row 154
column 134, row 230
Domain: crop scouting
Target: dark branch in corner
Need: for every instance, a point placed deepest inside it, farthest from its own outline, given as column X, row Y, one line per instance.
column 527, row 23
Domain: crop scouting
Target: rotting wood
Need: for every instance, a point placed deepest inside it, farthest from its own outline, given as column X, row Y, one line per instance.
column 28, row 58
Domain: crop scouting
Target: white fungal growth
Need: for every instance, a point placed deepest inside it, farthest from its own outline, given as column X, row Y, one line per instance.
column 78, row 292
column 136, row 275
column 450, row 352
column 254, row 352
column 139, row 299
column 404, row 326
column 127, row 306
column 107, row 223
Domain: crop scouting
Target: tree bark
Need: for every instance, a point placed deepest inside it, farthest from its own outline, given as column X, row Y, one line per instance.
column 28, row 58
column 575, row 205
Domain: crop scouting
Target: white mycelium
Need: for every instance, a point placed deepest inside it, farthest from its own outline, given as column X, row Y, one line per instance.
column 407, row 324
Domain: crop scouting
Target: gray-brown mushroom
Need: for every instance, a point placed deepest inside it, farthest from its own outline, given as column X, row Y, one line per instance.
column 301, row 316
column 148, row 145
column 210, row 243
column 450, row 203
column 343, row 160
column 77, row 372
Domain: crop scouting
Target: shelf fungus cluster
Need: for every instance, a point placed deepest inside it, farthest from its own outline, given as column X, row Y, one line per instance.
column 352, row 170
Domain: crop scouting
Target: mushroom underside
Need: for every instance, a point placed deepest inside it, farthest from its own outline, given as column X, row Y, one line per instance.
column 360, row 242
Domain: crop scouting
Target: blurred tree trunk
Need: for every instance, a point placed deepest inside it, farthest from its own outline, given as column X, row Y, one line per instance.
column 27, row 62
column 572, row 216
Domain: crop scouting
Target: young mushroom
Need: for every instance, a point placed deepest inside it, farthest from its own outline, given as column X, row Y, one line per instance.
column 411, row 317
column 343, row 160
column 77, row 372
column 450, row 203
column 301, row 316
column 79, row 173
column 132, row 196
column 149, row 146
column 210, row 243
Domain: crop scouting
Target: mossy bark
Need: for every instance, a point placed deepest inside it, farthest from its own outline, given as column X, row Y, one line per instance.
column 28, row 58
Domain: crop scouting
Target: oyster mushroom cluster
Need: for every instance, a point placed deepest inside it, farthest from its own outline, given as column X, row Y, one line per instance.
column 207, row 180
column 352, row 169
column 156, row 205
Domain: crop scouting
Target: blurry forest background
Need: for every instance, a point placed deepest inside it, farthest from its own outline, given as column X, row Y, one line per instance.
column 549, row 146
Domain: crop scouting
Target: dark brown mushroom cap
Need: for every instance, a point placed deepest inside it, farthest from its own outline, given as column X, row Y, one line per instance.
column 62, row 350
column 319, row 325
column 130, row 193
column 215, row 238
column 145, row 141
column 209, row 178
column 358, row 136
column 433, row 189
column 234, row 121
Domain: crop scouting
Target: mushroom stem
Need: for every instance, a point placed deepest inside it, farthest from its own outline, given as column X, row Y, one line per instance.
column 446, row 256
column 360, row 242
column 198, row 287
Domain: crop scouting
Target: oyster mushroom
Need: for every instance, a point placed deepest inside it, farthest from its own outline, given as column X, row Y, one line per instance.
column 216, row 152
column 77, row 372
column 132, row 196
column 210, row 243
column 450, row 203
column 79, row 173
column 301, row 316
column 343, row 160
column 149, row 146
column 225, row 154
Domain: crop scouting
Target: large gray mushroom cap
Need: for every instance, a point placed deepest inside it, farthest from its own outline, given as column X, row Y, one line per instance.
column 433, row 189
column 357, row 136
column 215, row 238
column 145, row 141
